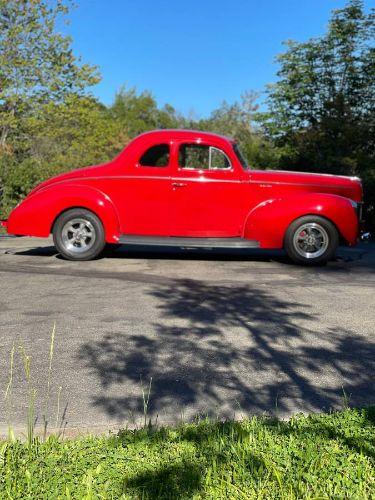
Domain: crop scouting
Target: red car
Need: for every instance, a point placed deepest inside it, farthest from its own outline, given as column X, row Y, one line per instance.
column 191, row 189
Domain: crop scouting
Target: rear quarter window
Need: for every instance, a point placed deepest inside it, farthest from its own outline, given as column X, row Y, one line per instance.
column 156, row 156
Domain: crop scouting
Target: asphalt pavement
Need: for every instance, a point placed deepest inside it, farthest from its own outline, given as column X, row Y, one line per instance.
column 223, row 334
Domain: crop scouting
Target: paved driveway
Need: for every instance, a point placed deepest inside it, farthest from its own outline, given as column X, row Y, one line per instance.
column 219, row 334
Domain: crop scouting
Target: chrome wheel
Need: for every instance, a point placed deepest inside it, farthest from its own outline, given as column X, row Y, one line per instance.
column 78, row 235
column 311, row 240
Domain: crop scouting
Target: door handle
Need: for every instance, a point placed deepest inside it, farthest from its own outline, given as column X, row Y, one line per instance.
column 179, row 184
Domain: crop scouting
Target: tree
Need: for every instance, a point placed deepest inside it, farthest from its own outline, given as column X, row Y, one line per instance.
column 37, row 64
column 238, row 120
column 74, row 133
column 139, row 112
column 323, row 105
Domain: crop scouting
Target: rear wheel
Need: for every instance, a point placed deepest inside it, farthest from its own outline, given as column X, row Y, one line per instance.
column 311, row 240
column 78, row 234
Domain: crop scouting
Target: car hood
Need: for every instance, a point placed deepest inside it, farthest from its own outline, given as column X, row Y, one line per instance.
column 349, row 187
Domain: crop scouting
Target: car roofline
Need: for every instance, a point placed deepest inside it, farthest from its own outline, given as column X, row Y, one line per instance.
column 181, row 133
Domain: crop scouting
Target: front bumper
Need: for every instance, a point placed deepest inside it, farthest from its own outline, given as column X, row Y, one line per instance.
column 359, row 211
column 365, row 236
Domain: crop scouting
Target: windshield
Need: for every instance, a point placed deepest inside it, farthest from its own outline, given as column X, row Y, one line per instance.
column 240, row 156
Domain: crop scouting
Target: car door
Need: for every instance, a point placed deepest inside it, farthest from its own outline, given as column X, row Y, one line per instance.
column 207, row 193
column 143, row 196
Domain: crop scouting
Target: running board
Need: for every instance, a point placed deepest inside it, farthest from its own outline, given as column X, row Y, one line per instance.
column 171, row 241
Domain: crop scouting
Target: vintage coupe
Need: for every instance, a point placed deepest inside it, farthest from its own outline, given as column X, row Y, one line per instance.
column 191, row 189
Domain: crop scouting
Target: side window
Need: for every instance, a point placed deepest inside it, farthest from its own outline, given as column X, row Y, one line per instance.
column 156, row 156
column 219, row 160
column 197, row 156
column 194, row 156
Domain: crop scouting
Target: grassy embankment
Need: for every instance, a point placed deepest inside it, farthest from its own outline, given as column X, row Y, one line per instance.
column 321, row 456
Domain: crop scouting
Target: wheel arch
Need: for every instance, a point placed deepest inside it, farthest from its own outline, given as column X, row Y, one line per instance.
column 269, row 221
column 37, row 214
column 103, row 209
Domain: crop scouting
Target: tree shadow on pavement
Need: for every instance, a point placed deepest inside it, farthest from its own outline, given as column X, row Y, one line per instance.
column 224, row 350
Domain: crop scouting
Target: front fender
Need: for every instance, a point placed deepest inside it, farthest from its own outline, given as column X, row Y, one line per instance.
column 36, row 215
column 268, row 221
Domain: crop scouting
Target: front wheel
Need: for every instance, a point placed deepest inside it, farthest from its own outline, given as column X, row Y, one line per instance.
column 78, row 234
column 311, row 240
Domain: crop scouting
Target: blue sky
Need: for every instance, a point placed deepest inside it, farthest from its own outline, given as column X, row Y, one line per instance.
column 193, row 54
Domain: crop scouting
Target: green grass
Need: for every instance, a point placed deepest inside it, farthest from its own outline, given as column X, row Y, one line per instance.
column 316, row 457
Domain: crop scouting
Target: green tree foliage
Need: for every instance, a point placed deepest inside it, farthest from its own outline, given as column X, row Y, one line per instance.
column 74, row 133
column 139, row 113
column 323, row 106
column 238, row 120
column 37, row 64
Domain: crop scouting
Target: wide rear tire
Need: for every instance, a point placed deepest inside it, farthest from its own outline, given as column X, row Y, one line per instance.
column 311, row 240
column 78, row 234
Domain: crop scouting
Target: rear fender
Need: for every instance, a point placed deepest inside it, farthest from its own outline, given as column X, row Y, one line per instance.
column 36, row 215
column 268, row 221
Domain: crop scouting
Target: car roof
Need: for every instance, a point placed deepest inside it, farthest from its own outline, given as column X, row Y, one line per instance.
column 186, row 134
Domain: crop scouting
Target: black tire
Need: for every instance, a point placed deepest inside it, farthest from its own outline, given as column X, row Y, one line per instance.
column 319, row 249
column 78, row 234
